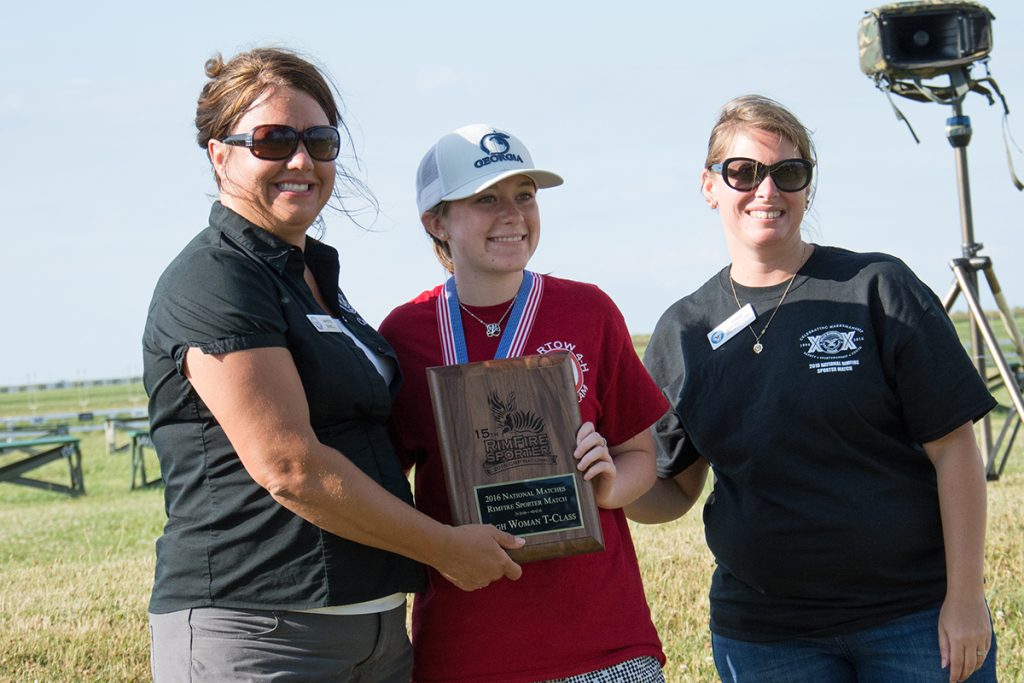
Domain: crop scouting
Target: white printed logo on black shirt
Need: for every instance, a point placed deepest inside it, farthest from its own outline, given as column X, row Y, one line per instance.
column 832, row 347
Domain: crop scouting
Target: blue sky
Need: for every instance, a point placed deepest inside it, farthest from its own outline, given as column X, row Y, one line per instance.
column 104, row 182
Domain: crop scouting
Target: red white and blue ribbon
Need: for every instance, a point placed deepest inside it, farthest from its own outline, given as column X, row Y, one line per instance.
column 517, row 329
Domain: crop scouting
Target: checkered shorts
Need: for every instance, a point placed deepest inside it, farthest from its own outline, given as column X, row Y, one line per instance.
column 639, row 670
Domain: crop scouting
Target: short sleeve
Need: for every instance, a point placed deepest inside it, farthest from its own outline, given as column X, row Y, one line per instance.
column 218, row 301
column 938, row 386
column 664, row 361
column 630, row 401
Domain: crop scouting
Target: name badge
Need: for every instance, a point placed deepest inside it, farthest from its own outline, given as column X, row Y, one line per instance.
column 727, row 329
column 324, row 323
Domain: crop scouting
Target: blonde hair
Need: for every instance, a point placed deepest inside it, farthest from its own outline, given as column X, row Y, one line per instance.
column 762, row 113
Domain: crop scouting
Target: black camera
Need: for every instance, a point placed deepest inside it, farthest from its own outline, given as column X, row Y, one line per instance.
column 923, row 39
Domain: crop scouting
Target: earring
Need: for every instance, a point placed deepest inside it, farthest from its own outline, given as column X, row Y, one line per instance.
column 712, row 204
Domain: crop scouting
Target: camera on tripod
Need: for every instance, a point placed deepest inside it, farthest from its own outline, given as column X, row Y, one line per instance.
column 923, row 39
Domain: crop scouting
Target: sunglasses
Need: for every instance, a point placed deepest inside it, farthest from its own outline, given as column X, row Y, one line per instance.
column 742, row 174
column 274, row 142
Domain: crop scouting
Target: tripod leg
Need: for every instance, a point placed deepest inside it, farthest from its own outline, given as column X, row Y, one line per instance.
column 981, row 322
column 1004, row 310
column 991, row 342
column 965, row 278
column 1008, row 433
column 950, row 298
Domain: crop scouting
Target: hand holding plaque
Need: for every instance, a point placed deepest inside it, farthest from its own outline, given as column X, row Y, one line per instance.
column 507, row 431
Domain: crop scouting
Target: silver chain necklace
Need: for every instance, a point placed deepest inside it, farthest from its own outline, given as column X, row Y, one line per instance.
column 758, row 347
column 493, row 329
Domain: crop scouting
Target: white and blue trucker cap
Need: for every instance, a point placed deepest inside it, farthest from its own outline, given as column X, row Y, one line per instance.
column 472, row 159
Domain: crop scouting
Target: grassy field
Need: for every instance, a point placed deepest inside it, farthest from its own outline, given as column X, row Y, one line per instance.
column 75, row 572
column 72, row 399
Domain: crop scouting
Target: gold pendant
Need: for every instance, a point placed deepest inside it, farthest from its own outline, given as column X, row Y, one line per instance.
column 758, row 348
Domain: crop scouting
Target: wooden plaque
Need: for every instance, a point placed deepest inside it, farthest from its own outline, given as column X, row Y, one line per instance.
column 507, row 430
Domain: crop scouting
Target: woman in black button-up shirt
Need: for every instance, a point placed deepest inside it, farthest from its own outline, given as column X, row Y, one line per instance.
column 291, row 539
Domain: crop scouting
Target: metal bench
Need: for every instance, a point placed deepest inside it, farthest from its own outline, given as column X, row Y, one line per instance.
column 140, row 441
column 112, row 425
column 38, row 452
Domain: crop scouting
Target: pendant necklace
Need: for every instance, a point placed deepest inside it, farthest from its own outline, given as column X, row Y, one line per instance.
column 493, row 329
column 518, row 320
column 758, row 347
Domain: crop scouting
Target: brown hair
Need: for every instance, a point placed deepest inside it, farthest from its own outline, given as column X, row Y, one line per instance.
column 762, row 113
column 442, row 252
column 237, row 84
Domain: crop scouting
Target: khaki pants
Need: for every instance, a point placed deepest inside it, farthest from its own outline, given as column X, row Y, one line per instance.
column 216, row 644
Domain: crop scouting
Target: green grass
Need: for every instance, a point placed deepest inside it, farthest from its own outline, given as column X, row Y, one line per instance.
column 75, row 573
column 75, row 576
column 72, row 400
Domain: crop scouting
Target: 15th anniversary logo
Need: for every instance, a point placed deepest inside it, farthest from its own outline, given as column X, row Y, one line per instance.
column 516, row 437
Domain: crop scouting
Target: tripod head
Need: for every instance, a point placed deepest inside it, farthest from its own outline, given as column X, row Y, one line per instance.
column 960, row 83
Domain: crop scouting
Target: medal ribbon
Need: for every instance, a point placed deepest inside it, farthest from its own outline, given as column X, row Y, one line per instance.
column 517, row 329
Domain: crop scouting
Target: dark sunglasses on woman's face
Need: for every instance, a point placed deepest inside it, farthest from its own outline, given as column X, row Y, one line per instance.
column 274, row 142
column 743, row 174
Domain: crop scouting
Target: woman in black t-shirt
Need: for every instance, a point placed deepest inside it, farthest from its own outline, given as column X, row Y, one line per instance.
column 291, row 540
column 828, row 392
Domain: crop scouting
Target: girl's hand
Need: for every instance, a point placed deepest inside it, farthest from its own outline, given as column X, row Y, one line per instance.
column 595, row 461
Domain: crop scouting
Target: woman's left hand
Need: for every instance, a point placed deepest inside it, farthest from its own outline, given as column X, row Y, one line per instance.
column 965, row 633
